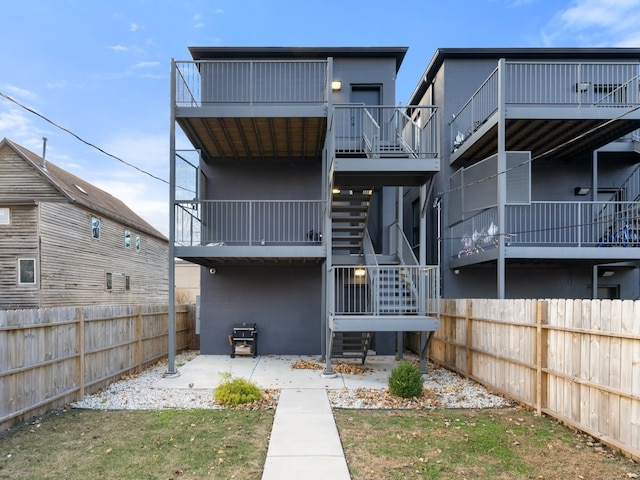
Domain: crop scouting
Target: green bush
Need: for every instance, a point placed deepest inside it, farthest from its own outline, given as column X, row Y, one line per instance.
column 236, row 391
column 406, row 381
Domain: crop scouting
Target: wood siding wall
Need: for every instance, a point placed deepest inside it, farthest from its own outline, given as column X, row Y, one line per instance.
column 71, row 266
column 574, row 360
column 74, row 265
column 19, row 239
column 52, row 357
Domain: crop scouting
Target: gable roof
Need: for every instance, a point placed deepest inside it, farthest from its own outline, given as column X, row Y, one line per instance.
column 84, row 193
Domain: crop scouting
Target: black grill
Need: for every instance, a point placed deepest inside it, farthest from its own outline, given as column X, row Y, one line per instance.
column 244, row 339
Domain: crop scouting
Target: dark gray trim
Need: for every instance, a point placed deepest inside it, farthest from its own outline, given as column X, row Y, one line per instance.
column 217, row 53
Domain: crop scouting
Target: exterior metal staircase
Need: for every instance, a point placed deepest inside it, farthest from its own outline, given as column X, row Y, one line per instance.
column 394, row 292
column 349, row 212
column 351, row 345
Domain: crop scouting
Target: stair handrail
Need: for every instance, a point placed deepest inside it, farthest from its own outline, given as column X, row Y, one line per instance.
column 370, row 134
column 401, row 245
column 373, row 270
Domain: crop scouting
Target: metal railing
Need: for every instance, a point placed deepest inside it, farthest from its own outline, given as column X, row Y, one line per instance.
column 551, row 224
column 379, row 131
column 250, row 82
column 385, row 290
column 249, row 222
column 584, row 85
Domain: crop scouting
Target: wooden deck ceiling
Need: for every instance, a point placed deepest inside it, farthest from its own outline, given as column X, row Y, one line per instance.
column 255, row 138
column 559, row 138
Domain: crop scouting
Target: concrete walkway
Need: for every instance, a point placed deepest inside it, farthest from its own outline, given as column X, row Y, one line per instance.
column 304, row 441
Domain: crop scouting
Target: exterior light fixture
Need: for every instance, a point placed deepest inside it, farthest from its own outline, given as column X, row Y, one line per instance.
column 582, row 190
column 336, row 191
column 360, row 272
column 336, row 85
column 607, row 273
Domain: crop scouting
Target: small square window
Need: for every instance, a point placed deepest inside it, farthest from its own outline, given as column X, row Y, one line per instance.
column 95, row 227
column 138, row 243
column 109, row 281
column 127, row 283
column 127, row 239
column 4, row 216
column 26, row 271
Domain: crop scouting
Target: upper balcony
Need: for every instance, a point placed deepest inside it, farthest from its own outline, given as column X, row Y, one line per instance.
column 549, row 108
column 377, row 145
column 234, row 109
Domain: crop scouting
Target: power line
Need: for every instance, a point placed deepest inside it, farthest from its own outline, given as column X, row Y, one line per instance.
column 81, row 139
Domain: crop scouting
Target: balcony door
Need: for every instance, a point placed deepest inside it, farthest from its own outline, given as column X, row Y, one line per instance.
column 369, row 96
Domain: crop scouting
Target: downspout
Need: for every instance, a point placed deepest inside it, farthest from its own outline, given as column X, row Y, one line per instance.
column 502, row 180
column 171, row 367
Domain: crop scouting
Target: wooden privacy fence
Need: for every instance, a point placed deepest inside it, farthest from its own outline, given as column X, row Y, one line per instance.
column 575, row 360
column 50, row 357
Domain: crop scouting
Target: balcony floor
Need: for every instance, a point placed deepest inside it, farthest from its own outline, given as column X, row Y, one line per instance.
column 256, row 137
column 263, row 255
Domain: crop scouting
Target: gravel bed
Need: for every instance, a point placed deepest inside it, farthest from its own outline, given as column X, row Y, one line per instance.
column 443, row 389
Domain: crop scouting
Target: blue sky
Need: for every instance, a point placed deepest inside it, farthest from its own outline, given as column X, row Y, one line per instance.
column 101, row 69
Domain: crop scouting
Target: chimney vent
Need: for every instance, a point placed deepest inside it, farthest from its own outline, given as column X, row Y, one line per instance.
column 43, row 165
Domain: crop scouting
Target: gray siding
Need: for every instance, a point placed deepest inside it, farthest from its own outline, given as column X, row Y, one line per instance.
column 74, row 265
column 284, row 302
column 260, row 180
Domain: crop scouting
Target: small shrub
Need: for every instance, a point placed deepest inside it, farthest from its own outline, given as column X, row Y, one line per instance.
column 236, row 391
column 406, row 381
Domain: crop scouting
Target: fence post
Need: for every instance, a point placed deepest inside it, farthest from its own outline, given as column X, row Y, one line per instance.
column 138, row 344
column 542, row 315
column 469, row 337
column 80, row 346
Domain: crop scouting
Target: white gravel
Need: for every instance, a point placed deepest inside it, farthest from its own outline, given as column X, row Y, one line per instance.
column 443, row 389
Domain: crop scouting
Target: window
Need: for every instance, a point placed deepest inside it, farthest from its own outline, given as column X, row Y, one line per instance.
column 127, row 283
column 415, row 223
column 127, row 239
column 26, row 271
column 137, row 243
column 609, row 94
column 109, row 281
column 95, row 227
column 4, row 216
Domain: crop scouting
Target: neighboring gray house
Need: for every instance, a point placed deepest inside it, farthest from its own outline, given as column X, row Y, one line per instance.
column 64, row 242
column 289, row 197
column 539, row 192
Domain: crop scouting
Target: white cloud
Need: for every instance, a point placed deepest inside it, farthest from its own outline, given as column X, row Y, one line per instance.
column 146, row 64
column 595, row 23
column 117, row 48
column 134, row 27
column 14, row 91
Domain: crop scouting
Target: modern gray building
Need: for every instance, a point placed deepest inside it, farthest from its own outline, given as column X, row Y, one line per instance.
column 539, row 191
column 290, row 198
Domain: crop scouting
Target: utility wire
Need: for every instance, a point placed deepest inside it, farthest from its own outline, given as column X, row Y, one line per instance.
column 81, row 139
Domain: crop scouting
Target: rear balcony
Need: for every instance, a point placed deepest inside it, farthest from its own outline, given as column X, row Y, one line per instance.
column 376, row 145
column 549, row 108
column 589, row 231
column 232, row 231
column 253, row 109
